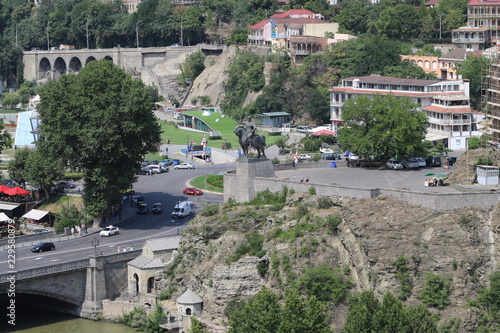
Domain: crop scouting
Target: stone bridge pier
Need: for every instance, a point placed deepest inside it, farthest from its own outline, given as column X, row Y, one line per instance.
column 77, row 288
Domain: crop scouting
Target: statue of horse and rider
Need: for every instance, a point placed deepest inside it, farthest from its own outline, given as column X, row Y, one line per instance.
column 248, row 138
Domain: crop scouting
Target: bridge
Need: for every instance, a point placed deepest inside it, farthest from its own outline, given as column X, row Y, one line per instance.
column 150, row 63
column 77, row 288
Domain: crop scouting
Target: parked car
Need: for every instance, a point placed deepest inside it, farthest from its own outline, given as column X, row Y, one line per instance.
column 44, row 246
column 184, row 166
column 303, row 129
column 166, row 162
column 154, row 162
column 66, row 184
column 451, row 160
column 434, row 161
column 157, row 208
column 144, row 163
column 137, row 199
column 421, row 161
column 394, row 164
column 411, row 163
column 331, row 157
column 353, row 157
column 156, row 169
column 109, row 231
column 182, row 209
column 143, row 171
column 192, row 191
column 304, row 157
column 326, row 150
column 142, row 208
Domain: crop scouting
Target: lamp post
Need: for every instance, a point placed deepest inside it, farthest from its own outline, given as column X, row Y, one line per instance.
column 182, row 33
column 95, row 244
column 440, row 16
column 177, row 228
column 16, row 33
column 137, row 32
column 48, row 41
column 87, row 29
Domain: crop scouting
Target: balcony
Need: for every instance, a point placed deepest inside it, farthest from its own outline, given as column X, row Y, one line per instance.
column 253, row 37
column 468, row 40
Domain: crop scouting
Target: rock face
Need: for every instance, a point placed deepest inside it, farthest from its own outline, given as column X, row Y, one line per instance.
column 373, row 234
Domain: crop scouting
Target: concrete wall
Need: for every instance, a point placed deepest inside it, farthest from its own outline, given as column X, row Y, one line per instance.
column 246, row 171
column 116, row 309
column 36, row 237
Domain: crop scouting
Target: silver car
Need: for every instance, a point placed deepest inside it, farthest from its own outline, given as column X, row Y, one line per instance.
column 394, row 164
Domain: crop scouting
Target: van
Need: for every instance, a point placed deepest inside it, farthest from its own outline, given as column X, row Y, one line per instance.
column 181, row 209
column 157, row 169
column 434, row 161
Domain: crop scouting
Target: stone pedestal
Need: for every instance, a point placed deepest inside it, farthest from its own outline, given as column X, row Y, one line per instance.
column 95, row 289
column 239, row 186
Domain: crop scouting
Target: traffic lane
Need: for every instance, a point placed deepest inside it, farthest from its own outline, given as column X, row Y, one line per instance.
column 410, row 179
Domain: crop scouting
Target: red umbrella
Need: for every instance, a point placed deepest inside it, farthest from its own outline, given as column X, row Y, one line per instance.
column 4, row 188
column 16, row 191
column 324, row 131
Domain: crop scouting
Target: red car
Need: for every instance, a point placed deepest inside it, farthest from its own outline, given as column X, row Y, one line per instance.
column 193, row 191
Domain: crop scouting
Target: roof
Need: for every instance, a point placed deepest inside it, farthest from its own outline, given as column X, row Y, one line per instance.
column 299, row 20
column 275, row 114
column 444, row 109
column 189, row 297
column 455, row 54
column 4, row 217
column 483, row 2
column 304, row 38
column 6, row 206
column 259, row 25
column 452, row 97
column 471, row 29
column 164, row 243
column 144, row 262
column 293, row 12
column 392, row 92
column 392, row 80
column 35, row 214
column 431, row 3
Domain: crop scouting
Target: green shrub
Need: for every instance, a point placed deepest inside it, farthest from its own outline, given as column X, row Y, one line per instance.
column 139, row 320
column 311, row 190
column 210, row 209
column 316, row 158
column 324, row 203
column 325, row 283
column 275, row 160
column 253, row 247
column 332, row 223
column 164, row 295
column 216, row 180
column 436, row 292
column 403, row 275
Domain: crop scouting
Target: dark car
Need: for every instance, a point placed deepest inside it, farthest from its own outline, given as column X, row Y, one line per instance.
column 44, row 246
column 144, row 163
column 157, row 208
column 143, row 171
column 137, row 199
column 451, row 160
column 331, row 156
column 154, row 162
column 166, row 162
column 142, row 208
column 434, row 161
column 66, row 184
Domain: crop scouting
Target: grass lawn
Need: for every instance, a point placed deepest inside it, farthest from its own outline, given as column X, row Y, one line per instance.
column 200, row 183
column 57, row 203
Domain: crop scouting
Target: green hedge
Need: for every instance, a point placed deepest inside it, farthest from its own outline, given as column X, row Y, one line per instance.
column 216, row 180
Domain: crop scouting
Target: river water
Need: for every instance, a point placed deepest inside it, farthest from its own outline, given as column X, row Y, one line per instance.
column 36, row 320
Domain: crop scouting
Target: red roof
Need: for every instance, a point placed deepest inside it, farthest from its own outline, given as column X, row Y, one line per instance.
column 431, row 3
column 361, row 91
column 444, row 109
column 259, row 25
column 293, row 12
column 484, row 3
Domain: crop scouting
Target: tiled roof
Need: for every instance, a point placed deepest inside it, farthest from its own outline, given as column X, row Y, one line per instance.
column 299, row 20
column 455, row 54
column 431, row 3
column 471, row 29
column 189, row 297
column 293, row 12
column 259, row 25
column 387, row 92
column 444, row 109
column 164, row 243
column 484, row 3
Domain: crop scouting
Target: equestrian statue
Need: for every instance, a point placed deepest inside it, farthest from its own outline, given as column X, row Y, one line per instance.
column 248, row 138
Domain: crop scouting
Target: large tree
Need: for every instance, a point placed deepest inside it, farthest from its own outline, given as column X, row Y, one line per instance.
column 472, row 68
column 100, row 122
column 383, row 126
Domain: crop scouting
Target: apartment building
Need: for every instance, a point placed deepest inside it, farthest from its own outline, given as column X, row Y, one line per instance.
column 491, row 96
column 422, row 92
column 484, row 14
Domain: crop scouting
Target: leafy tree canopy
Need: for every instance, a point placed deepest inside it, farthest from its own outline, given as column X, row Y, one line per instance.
column 472, row 68
column 100, row 122
column 383, row 126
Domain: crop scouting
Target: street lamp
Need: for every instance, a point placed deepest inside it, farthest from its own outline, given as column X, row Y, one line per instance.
column 87, row 28
column 440, row 16
column 177, row 228
column 182, row 34
column 137, row 32
column 48, row 42
column 95, row 244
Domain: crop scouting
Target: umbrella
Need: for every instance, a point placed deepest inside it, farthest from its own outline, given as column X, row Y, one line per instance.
column 16, row 191
column 441, row 175
column 4, row 188
column 347, row 153
column 324, row 131
column 429, row 174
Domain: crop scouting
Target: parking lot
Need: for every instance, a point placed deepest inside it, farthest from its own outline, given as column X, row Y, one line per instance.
column 408, row 179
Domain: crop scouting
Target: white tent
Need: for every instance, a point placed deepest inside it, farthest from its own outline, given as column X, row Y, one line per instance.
column 35, row 214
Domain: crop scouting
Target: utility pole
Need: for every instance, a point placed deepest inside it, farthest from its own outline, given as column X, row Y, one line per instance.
column 182, row 33
column 440, row 16
column 48, row 42
column 87, row 28
column 137, row 32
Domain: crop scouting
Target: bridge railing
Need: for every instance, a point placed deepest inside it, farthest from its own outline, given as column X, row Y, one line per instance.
column 47, row 270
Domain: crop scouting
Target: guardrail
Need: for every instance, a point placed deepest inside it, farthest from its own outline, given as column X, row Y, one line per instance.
column 47, row 270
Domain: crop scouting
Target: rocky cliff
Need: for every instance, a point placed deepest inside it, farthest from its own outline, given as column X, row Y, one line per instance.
column 373, row 234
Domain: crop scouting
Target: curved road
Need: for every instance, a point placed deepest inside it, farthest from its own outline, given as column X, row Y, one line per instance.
column 165, row 188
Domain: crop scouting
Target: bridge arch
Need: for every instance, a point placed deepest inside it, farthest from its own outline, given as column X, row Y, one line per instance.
column 75, row 65
column 44, row 68
column 89, row 59
column 59, row 68
column 52, row 302
column 108, row 58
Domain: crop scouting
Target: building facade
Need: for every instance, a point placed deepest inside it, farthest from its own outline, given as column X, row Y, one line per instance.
column 422, row 92
column 491, row 98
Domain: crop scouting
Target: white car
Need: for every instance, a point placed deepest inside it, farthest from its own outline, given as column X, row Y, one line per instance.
column 353, row 157
column 421, row 162
column 326, row 150
column 184, row 166
column 394, row 164
column 109, row 231
column 304, row 157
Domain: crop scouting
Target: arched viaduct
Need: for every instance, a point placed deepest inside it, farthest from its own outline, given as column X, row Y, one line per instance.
column 76, row 288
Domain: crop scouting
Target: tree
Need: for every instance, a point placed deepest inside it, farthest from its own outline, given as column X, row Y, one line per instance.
column 260, row 314
column 325, row 283
column 406, row 69
column 354, row 17
column 17, row 166
column 301, row 314
column 367, row 314
column 43, row 171
column 472, row 68
column 436, row 292
column 100, row 122
column 196, row 326
column 399, row 22
column 383, row 126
